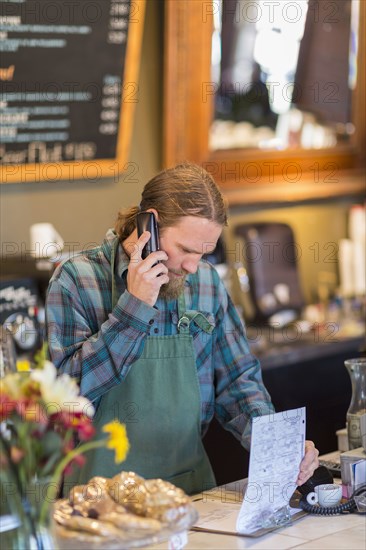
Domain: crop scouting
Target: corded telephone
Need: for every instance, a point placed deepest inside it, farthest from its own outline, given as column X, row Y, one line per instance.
column 322, row 476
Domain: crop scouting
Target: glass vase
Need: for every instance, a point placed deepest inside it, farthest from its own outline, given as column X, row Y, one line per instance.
column 15, row 524
column 357, row 371
column 39, row 499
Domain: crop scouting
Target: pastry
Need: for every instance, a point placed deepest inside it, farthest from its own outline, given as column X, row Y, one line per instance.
column 153, row 498
column 89, row 525
column 165, row 501
column 124, row 508
column 92, row 500
column 128, row 489
column 137, row 525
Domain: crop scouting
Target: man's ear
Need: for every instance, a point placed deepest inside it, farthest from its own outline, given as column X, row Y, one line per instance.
column 155, row 212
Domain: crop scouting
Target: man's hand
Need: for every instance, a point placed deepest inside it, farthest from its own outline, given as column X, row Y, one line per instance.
column 309, row 463
column 144, row 279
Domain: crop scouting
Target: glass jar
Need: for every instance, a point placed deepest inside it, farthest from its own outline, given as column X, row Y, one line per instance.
column 357, row 371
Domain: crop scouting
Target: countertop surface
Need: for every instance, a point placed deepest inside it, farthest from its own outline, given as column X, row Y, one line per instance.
column 282, row 348
column 338, row 532
column 311, row 532
column 346, row 531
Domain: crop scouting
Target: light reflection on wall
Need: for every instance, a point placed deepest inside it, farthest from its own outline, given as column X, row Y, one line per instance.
column 277, row 43
column 269, row 34
column 273, row 73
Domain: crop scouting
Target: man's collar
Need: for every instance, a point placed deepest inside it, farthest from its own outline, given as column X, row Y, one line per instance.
column 122, row 260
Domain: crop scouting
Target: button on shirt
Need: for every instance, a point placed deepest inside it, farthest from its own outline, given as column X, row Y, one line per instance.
column 98, row 346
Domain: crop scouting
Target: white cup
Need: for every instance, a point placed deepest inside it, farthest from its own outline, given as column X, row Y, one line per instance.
column 45, row 241
column 328, row 494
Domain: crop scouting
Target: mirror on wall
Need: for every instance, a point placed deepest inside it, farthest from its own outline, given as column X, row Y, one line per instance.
column 267, row 91
column 283, row 73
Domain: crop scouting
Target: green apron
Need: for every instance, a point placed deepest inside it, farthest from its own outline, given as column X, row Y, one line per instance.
column 159, row 401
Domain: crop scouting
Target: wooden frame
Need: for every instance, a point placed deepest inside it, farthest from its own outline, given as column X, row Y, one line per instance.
column 102, row 168
column 246, row 174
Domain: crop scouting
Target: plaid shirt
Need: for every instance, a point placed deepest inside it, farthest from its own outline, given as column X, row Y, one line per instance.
column 97, row 345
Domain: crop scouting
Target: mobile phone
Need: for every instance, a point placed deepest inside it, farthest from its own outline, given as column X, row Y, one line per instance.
column 146, row 221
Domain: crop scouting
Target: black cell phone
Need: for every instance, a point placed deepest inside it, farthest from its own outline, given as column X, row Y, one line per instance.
column 146, row 221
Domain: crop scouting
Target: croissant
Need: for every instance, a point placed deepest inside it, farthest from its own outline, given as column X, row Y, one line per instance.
column 152, row 498
column 93, row 499
column 131, row 522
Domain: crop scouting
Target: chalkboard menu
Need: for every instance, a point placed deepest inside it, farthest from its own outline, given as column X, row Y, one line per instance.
column 68, row 85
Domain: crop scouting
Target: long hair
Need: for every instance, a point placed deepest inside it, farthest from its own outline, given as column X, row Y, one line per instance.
column 185, row 190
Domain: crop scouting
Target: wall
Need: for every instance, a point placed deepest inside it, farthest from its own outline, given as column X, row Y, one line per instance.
column 317, row 229
column 81, row 211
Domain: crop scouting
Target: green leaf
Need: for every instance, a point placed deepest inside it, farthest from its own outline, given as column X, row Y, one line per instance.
column 50, row 465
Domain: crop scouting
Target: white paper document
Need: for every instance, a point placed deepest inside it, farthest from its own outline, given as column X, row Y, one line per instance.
column 277, row 448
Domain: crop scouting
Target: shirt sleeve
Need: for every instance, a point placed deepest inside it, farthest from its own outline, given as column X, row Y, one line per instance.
column 97, row 360
column 240, row 392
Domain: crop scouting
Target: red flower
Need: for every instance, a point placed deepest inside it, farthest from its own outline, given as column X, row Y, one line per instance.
column 78, row 460
column 86, row 430
column 67, row 447
column 79, row 423
column 7, row 406
column 61, row 418
column 68, row 469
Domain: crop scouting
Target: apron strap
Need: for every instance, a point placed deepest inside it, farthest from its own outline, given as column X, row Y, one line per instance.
column 200, row 320
column 183, row 320
column 186, row 316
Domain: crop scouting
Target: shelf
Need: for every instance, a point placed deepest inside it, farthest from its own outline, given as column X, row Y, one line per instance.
column 321, row 186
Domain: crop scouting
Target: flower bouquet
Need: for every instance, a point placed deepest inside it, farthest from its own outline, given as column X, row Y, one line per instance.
column 42, row 416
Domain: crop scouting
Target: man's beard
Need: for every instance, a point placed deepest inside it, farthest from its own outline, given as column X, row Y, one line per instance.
column 173, row 289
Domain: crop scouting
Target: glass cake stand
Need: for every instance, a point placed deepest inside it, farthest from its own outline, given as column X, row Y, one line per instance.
column 70, row 539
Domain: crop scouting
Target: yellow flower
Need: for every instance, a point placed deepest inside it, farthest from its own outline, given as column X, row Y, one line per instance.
column 117, row 439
